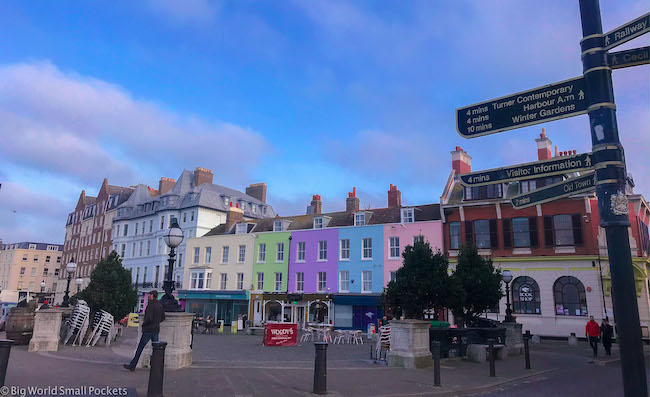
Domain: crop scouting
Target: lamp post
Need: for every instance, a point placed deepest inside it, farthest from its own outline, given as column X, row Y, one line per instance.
column 506, row 276
column 42, row 286
column 70, row 268
column 78, row 281
column 173, row 238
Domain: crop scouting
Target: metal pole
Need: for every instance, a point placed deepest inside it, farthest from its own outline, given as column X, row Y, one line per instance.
column 5, row 349
column 66, row 297
column 612, row 199
column 320, row 368
column 157, row 370
column 436, row 363
column 527, row 349
column 491, row 358
column 509, row 318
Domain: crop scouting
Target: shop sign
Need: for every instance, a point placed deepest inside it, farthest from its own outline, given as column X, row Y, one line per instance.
column 281, row 334
column 526, row 293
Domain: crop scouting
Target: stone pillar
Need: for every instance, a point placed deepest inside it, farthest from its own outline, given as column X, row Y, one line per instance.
column 176, row 330
column 409, row 344
column 47, row 326
column 514, row 338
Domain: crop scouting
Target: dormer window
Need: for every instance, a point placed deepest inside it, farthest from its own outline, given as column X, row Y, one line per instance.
column 277, row 226
column 226, row 201
column 407, row 215
column 32, row 246
column 254, row 208
column 360, row 219
column 241, row 228
column 318, row 222
column 484, row 192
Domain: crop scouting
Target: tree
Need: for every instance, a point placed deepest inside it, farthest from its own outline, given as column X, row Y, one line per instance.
column 110, row 288
column 479, row 281
column 422, row 283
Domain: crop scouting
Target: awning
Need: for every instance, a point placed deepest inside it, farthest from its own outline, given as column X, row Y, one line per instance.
column 212, row 295
column 361, row 300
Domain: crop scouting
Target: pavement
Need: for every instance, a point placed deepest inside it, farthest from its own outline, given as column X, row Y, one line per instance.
column 237, row 365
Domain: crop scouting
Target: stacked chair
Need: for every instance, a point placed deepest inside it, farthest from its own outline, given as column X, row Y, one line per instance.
column 102, row 323
column 78, row 322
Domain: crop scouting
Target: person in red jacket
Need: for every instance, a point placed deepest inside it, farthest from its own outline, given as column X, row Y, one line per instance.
column 592, row 332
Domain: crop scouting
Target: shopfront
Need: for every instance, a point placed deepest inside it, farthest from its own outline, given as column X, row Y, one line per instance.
column 302, row 309
column 221, row 305
column 356, row 311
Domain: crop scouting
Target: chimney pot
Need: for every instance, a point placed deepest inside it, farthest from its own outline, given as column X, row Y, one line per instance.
column 202, row 175
column 352, row 202
column 316, row 206
column 543, row 146
column 461, row 162
column 394, row 197
column 258, row 191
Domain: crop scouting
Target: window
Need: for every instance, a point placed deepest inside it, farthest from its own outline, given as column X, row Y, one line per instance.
column 525, row 296
column 162, row 222
column 322, row 250
column 322, row 281
column 22, row 271
column 126, row 230
column 418, row 239
column 454, row 233
column 300, row 282
column 240, row 280
column 366, row 281
column 301, row 251
column 208, row 280
column 345, row 249
column 223, row 280
column 208, row 254
column 56, row 272
column 318, row 222
column 180, row 259
column 123, row 250
column 184, row 217
column 563, row 230
column 407, row 215
column 344, row 281
column 261, row 253
column 359, row 219
column 35, row 258
column 226, row 200
column 277, row 226
column 150, row 225
column 24, row 257
column 394, row 247
column 393, row 276
column 242, row 254
column 53, row 287
column 140, row 246
column 524, row 232
column 366, row 248
column 148, row 247
column 160, row 245
column 192, row 217
column 570, row 298
column 47, row 259
column 278, row 281
column 197, row 280
column 32, row 246
column 260, row 281
column 241, row 228
column 528, row 186
column 483, row 233
column 33, row 272
column 279, row 252
column 483, row 192
column 195, row 259
column 137, row 275
column 224, row 254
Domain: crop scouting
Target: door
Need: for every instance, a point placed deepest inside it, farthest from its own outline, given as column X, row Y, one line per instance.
column 257, row 314
column 300, row 315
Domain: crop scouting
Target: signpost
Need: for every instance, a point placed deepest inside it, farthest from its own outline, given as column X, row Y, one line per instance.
column 627, row 58
column 539, row 105
column 537, row 169
column 627, row 32
column 581, row 184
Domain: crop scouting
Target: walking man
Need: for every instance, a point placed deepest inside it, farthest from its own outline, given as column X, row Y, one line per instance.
column 607, row 331
column 592, row 332
column 153, row 316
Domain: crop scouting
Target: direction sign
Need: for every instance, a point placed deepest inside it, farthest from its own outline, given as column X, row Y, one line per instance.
column 627, row 32
column 537, row 169
column 539, row 105
column 627, row 58
column 569, row 187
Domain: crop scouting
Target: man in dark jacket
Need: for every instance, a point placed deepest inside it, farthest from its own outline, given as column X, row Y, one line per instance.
column 153, row 316
column 607, row 331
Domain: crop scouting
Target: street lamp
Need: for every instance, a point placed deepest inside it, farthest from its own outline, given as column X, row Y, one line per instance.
column 173, row 238
column 79, row 281
column 506, row 276
column 71, row 267
column 42, row 286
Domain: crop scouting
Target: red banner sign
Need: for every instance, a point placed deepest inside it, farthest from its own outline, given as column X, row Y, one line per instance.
column 281, row 334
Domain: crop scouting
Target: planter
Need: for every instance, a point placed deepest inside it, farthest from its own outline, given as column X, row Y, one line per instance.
column 409, row 344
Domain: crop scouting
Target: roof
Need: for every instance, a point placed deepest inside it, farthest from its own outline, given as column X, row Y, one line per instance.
column 380, row 216
column 25, row 245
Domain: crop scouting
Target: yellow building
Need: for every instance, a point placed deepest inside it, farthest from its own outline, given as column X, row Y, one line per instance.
column 24, row 267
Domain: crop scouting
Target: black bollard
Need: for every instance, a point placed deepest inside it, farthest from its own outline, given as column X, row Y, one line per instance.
column 157, row 369
column 320, row 368
column 436, row 363
column 491, row 358
column 527, row 337
column 5, row 349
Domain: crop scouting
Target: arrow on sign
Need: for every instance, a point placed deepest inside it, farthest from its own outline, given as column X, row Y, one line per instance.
column 627, row 32
column 537, row 169
column 580, row 184
column 627, row 58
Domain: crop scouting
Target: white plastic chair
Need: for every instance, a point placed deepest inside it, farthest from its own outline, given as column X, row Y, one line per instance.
column 356, row 335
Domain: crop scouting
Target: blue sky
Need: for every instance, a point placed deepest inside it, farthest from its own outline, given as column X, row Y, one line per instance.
column 310, row 97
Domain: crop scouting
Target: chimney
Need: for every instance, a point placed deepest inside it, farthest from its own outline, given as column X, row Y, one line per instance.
column 202, row 175
column 394, row 197
column 234, row 215
column 316, row 206
column 461, row 162
column 352, row 202
column 258, row 191
column 165, row 184
column 543, row 146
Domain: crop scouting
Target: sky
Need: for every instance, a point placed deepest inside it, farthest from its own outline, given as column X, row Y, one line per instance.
column 310, row 97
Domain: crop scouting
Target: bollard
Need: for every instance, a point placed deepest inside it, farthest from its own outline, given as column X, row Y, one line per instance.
column 320, row 368
column 157, row 369
column 5, row 349
column 491, row 357
column 436, row 363
column 527, row 337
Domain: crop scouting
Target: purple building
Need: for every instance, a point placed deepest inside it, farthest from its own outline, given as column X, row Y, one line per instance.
column 313, row 259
